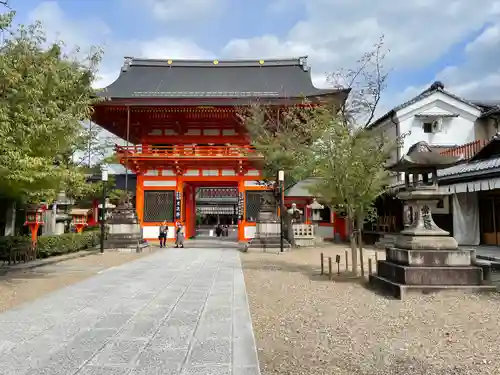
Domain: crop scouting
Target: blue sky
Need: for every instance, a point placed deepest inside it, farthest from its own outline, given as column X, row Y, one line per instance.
column 451, row 40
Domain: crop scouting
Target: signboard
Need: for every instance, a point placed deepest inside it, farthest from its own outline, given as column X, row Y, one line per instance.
column 217, row 193
column 241, row 202
column 177, row 205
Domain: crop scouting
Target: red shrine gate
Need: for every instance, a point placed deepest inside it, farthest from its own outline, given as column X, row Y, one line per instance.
column 180, row 121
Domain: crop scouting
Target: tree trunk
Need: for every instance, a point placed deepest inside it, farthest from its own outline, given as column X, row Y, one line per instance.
column 352, row 238
column 10, row 220
column 359, row 221
column 287, row 223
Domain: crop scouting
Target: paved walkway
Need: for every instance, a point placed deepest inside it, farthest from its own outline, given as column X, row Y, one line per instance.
column 179, row 311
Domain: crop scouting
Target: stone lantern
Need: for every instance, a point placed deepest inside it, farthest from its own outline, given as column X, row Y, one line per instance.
column 315, row 209
column 424, row 256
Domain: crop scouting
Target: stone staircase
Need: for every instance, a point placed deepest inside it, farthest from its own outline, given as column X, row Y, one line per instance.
column 269, row 244
column 385, row 240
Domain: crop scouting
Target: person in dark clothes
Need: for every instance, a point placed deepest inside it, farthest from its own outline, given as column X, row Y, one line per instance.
column 163, row 234
column 218, row 230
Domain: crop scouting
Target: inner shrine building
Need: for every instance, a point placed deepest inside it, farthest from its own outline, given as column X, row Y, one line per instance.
column 179, row 120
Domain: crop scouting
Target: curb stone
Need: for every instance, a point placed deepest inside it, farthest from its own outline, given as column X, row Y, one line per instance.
column 48, row 261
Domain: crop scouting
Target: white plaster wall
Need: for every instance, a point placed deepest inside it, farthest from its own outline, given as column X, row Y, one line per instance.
column 456, row 130
column 153, row 232
column 250, row 231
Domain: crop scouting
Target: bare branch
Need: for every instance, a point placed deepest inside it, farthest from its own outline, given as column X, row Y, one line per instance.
column 367, row 82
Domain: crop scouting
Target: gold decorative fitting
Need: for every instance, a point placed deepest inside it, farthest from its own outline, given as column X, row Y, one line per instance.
column 261, row 62
column 216, row 62
column 169, row 62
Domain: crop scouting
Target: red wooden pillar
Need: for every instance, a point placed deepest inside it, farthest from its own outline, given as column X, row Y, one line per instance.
column 139, row 197
column 190, row 211
column 307, row 213
column 241, row 220
column 339, row 226
column 179, row 189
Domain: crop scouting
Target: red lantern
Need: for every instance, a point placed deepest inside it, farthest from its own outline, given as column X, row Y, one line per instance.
column 80, row 216
column 34, row 218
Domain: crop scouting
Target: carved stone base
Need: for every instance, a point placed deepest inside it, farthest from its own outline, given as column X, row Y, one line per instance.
column 426, row 243
column 429, row 270
column 408, row 275
column 429, row 258
column 124, row 230
column 401, row 291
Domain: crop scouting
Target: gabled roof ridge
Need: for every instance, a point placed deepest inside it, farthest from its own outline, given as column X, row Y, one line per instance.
column 214, row 63
column 435, row 87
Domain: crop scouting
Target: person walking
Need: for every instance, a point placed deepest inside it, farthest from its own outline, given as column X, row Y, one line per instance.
column 218, row 230
column 163, row 234
column 179, row 235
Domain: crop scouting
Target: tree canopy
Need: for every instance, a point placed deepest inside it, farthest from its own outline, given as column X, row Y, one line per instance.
column 45, row 96
column 334, row 144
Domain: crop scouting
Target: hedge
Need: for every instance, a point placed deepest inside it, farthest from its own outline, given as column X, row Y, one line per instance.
column 49, row 246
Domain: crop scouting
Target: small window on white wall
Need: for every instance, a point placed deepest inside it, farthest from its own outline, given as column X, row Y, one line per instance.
column 432, row 126
column 427, row 127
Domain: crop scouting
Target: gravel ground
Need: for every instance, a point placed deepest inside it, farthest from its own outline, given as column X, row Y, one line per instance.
column 22, row 286
column 305, row 324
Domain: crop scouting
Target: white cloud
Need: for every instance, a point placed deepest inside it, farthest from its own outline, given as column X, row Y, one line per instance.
column 74, row 32
column 86, row 32
column 479, row 76
column 334, row 33
column 176, row 10
column 175, row 48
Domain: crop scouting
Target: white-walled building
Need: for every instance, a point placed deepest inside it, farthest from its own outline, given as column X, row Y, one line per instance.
column 440, row 118
column 456, row 126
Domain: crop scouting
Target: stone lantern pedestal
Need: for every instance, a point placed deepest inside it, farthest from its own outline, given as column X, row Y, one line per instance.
column 426, row 258
column 268, row 229
column 124, row 231
column 315, row 209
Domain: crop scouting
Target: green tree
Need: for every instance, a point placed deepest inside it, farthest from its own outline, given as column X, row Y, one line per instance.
column 334, row 144
column 93, row 146
column 285, row 138
column 351, row 166
column 45, row 96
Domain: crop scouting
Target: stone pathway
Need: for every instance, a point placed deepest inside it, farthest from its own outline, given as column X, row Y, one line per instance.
column 179, row 312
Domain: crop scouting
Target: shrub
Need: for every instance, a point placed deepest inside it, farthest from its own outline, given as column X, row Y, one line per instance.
column 49, row 246
column 66, row 243
column 92, row 228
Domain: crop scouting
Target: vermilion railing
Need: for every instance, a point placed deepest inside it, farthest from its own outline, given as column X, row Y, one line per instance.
column 468, row 150
column 184, row 151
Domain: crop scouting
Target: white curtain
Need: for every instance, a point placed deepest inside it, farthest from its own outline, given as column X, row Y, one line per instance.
column 466, row 218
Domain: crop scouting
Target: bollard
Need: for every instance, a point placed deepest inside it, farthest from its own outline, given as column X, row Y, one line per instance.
column 346, row 261
column 322, row 263
column 369, row 266
column 337, row 260
column 330, row 272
